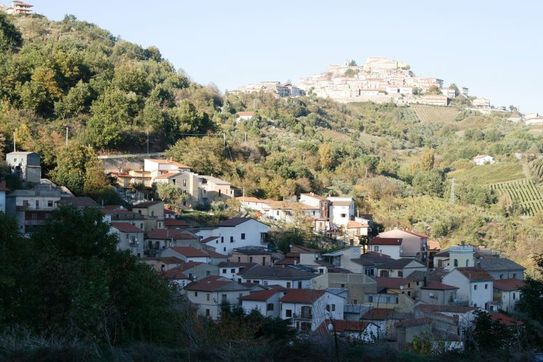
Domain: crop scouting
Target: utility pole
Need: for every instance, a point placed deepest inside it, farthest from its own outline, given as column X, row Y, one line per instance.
column 245, row 137
column 453, row 196
column 147, row 132
column 224, row 138
column 67, row 134
column 14, row 142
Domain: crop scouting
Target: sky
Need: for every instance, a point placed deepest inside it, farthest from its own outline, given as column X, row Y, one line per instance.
column 495, row 48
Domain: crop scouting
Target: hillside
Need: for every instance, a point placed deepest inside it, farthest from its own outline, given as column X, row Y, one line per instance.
column 397, row 161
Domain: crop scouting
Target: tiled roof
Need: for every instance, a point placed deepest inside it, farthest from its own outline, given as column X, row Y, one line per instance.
column 378, row 314
column 498, row 264
column 475, row 274
column 126, row 227
column 214, row 283
column 175, row 274
column 166, row 234
column 438, row 286
column 413, row 322
column 276, row 273
column 166, row 260
column 252, row 251
column 398, row 263
column 78, row 201
column 390, row 283
column 505, row 319
column 191, row 252
column 146, row 204
column 306, row 296
column 435, row 308
column 385, row 241
column 433, row 245
column 174, row 222
column 508, row 285
column 355, row 224
column 167, row 175
column 341, row 325
column 263, row 295
column 232, row 264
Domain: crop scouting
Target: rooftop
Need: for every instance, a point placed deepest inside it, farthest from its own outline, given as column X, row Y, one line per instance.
column 165, row 234
column 385, row 241
column 215, row 283
column 475, row 274
column 277, row 273
column 508, row 285
column 146, row 204
column 235, row 221
column 378, row 314
column 438, row 286
column 498, row 264
column 126, row 227
column 306, row 296
column 263, row 295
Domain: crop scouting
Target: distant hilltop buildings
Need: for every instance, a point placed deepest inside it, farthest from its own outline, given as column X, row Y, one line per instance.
column 17, row 8
column 274, row 87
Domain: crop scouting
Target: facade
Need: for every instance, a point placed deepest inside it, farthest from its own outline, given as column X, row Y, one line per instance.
column 152, row 212
column 159, row 239
column 266, row 302
column 26, row 165
column 235, row 233
column 286, row 277
column 342, row 210
column 123, row 215
column 3, row 190
column 475, row 286
column 413, row 245
column 233, row 270
column 130, row 237
column 507, row 293
column 438, row 293
column 501, row 268
column 191, row 254
column 257, row 255
column 208, row 294
column 481, row 160
column 307, row 309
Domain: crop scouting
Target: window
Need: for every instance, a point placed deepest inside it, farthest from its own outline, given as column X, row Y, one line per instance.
column 288, row 313
column 475, row 287
column 501, row 276
column 514, row 275
column 195, row 294
column 37, row 204
column 208, row 273
column 400, row 274
column 184, row 182
column 467, row 262
column 207, row 313
column 242, row 236
column 370, row 298
column 342, row 285
column 250, row 259
column 223, row 298
column 288, row 284
column 269, row 306
column 486, row 286
column 455, row 262
column 355, row 301
column 224, row 271
column 224, row 249
column 207, row 297
column 239, row 259
column 50, row 203
column 343, row 215
column 376, row 248
column 514, row 296
column 216, row 241
column 263, row 260
column 220, row 192
column 231, row 239
column 222, row 239
column 232, row 270
column 299, row 285
column 333, row 307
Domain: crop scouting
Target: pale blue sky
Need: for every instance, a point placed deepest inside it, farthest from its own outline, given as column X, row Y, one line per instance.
column 493, row 47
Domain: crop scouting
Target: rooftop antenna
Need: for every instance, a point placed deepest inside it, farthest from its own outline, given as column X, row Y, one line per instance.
column 14, row 142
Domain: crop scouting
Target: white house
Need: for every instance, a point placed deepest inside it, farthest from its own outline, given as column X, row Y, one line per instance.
column 386, row 246
column 342, row 209
column 413, row 245
column 244, row 116
column 265, row 302
column 307, row 308
column 475, row 286
column 235, row 233
column 366, row 332
column 130, row 237
column 233, row 270
column 480, row 160
column 507, row 293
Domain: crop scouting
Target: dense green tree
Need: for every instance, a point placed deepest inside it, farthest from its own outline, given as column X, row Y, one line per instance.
column 205, row 155
column 10, row 38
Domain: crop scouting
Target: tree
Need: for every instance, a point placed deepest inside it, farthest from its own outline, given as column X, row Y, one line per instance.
column 10, row 38
column 434, row 90
column 531, row 297
column 490, row 335
column 171, row 194
column 190, row 120
column 427, row 160
column 429, row 183
column 205, row 155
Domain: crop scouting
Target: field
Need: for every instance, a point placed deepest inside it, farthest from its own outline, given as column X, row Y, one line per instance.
column 490, row 174
column 525, row 192
column 435, row 114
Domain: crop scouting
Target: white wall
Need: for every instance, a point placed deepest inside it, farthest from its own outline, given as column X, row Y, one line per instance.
column 3, row 201
column 250, row 305
column 230, row 238
column 318, row 309
column 294, row 284
column 391, row 250
column 477, row 294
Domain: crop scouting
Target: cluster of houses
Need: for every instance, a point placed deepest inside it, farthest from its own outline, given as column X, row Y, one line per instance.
column 199, row 189
column 332, row 216
column 397, row 286
column 273, row 87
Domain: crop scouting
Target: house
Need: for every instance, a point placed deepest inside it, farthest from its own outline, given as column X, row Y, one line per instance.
column 438, row 293
column 163, row 264
column 123, row 215
column 410, row 329
column 235, row 233
column 475, row 286
column 152, row 212
column 19, row 7
column 265, row 302
column 507, row 293
column 27, row 165
column 78, row 202
column 210, row 293
column 366, row 332
column 244, row 116
column 358, row 286
column 251, row 254
column 158, row 167
column 501, row 268
column 369, row 262
column 187, row 272
column 399, row 268
column 157, row 240
column 451, row 320
column 174, row 224
column 356, row 230
column 31, row 207
column 233, row 270
column 214, row 189
column 384, row 318
column 481, row 160
column 388, row 246
column 307, row 308
column 286, row 277
column 3, row 190
column 130, row 237
column 189, row 253
column 460, row 256
column 342, row 209
column 413, row 245
column 344, row 258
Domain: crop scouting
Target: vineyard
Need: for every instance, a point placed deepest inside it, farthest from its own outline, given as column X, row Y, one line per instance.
column 435, row 114
column 525, row 192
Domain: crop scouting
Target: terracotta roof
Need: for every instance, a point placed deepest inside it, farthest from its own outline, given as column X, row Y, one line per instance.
column 276, row 273
column 288, row 261
column 166, row 234
column 438, row 286
column 146, row 204
column 414, row 322
column 214, row 283
column 126, row 227
column 189, row 265
column 416, row 234
column 167, row 175
column 166, row 260
column 305, row 296
column 262, row 296
column 475, row 274
column 250, row 199
column 233, row 264
column 121, row 212
column 385, row 241
column 191, row 252
column 342, row 325
column 505, row 319
column 508, row 285
column 390, row 283
column 168, row 162
column 378, row 314
column 174, row 222
column 341, row 203
column 318, row 197
column 175, row 274
column 252, row 251
column 355, row 224
column 433, row 245
column 77, row 201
